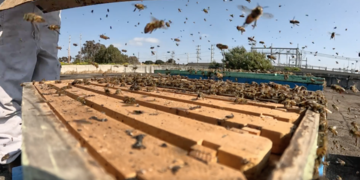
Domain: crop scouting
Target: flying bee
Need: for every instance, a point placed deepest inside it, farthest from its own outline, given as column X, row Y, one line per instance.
column 139, row 7
column 332, row 35
column 205, row 11
column 33, row 18
column 152, row 47
column 75, row 44
column 124, row 50
column 240, row 28
column 354, row 89
column 54, row 28
column 152, row 53
column 337, row 88
column 104, row 37
column 167, row 24
column 272, row 57
column 248, row 1
column 179, row 10
column 222, row 46
column 261, row 42
column 58, row 47
column 242, row 16
column 177, row 40
column 255, row 14
column 294, row 22
column 155, row 24
column 252, row 38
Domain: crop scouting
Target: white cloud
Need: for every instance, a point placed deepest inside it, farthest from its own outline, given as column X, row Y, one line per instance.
column 139, row 41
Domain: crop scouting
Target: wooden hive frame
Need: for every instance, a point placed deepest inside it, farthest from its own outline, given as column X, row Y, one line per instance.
column 262, row 141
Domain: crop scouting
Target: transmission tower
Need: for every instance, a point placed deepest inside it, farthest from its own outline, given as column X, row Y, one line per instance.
column 212, row 53
column 173, row 55
column 198, row 53
column 80, row 49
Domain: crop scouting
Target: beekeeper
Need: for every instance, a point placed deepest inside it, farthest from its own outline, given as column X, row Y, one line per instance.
column 26, row 54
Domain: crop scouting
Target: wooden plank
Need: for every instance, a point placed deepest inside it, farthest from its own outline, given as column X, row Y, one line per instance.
column 220, row 104
column 112, row 146
column 298, row 160
column 48, row 150
column 232, row 149
column 277, row 131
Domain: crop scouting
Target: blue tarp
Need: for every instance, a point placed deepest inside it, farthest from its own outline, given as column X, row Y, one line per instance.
column 17, row 173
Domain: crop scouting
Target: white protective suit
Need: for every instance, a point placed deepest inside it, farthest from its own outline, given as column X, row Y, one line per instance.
column 26, row 54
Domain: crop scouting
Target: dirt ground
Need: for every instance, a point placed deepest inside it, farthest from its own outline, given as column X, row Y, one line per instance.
column 343, row 145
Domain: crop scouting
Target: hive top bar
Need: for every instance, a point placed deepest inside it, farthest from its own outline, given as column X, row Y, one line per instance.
column 55, row 5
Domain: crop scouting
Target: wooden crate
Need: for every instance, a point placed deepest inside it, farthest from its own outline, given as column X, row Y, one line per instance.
column 261, row 141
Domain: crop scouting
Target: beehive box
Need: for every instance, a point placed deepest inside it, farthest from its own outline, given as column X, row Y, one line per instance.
column 87, row 133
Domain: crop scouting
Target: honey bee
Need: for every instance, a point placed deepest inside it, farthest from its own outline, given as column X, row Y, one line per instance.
column 167, row 24
column 222, row 46
column 75, row 44
column 242, row 16
column 261, row 42
column 332, row 35
column 240, row 28
column 177, row 40
column 107, row 91
column 54, row 28
column 294, row 22
column 255, row 14
column 252, row 39
column 356, row 134
column 33, row 18
column 337, row 88
column 124, row 50
column 333, row 130
column 155, row 24
column 205, row 10
column 95, row 64
column 335, row 107
column 179, row 9
column 58, row 47
column 139, row 7
column 104, row 37
column 272, row 57
column 152, row 52
column 341, row 162
column 354, row 89
column 355, row 125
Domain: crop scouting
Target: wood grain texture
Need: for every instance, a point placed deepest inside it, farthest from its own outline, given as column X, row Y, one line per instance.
column 48, row 150
column 298, row 160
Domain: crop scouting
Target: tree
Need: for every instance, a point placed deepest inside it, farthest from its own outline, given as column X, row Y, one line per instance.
column 214, row 65
column 171, row 61
column 148, row 62
column 159, row 62
column 110, row 54
column 133, row 60
column 90, row 49
column 63, row 59
column 239, row 58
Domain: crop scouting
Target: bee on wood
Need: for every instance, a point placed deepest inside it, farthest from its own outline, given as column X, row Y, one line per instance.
column 81, row 99
column 139, row 7
column 139, row 142
column 104, row 37
column 333, row 130
column 354, row 89
column 107, row 91
column 240, row 28
column 294, row 22
column 200, row 95
column 355, row 133
column 205, row 11
column 58, row 47
column 54, row 28
column 240, row 100
column 75, row 44
column 221, row 46
column 124, row 50
column 255, row 14
column 94, row 64
column 332, row 35
column 335, row 107
column 289, row 103
column 153, row 25
column 129, row 100
column 33, row 18
column 321, row 151
column 341, row 162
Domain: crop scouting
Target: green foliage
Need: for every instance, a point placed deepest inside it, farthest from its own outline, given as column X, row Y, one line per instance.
column 148, row 62
column 239, row 58
column 159, row 62
column 292, row 69
column 63, row 59
column 214, row 65
column 171, row 61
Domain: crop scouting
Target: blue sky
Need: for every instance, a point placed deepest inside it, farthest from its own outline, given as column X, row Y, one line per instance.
column 317, row 18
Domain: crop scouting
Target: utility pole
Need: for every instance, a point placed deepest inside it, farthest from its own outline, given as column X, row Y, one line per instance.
column 187, row 58
column 69, row 56
column 172, row 55
column 212, row 53
column 198, row 53
column 138, row 57
column 80, row 48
